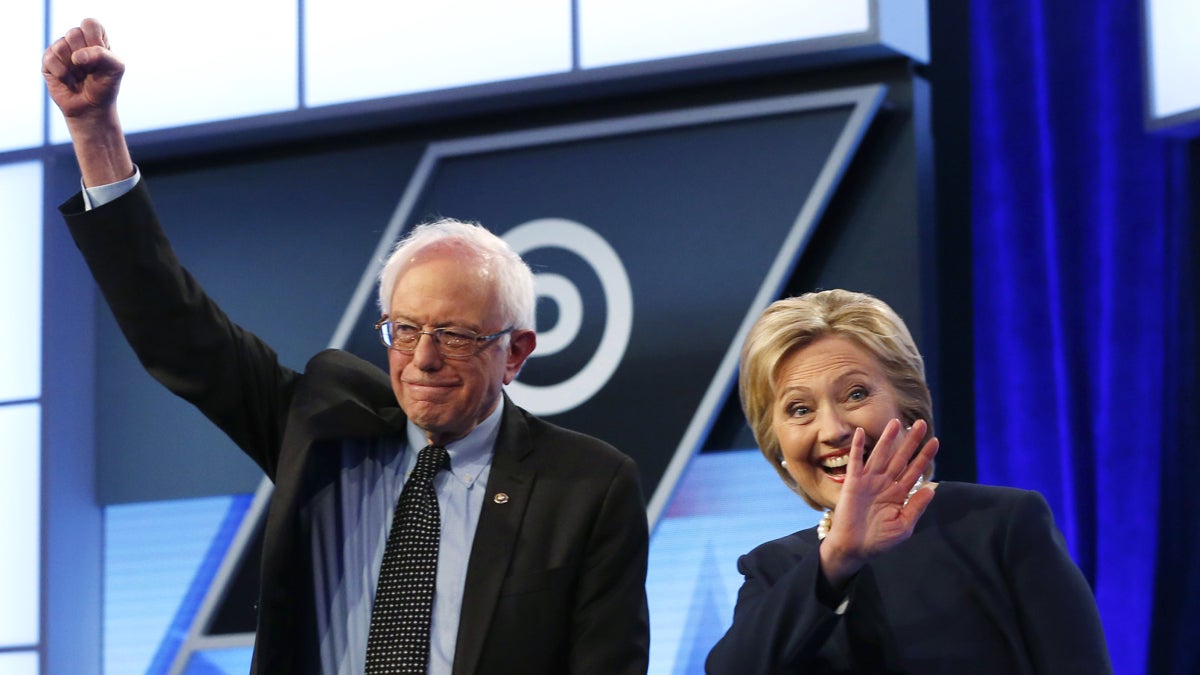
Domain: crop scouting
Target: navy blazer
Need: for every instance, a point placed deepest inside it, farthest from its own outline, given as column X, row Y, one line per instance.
column 556, row 579
column 984, row 585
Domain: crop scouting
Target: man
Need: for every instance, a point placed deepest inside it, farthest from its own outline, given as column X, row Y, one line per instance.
column 541, row 554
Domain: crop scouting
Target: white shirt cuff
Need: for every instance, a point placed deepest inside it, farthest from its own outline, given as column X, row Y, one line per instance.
column 100, row 195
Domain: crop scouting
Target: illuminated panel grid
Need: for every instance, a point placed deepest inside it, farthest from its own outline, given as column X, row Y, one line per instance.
column 187, row 66
column 20, row 414
column 359, row 49
column 21, row 280
column 21, row 27
column 20, row 524
column 626, row 31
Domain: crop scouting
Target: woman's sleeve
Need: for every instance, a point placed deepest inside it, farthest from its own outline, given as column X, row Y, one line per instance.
column 779, row 621
column 1053, row 600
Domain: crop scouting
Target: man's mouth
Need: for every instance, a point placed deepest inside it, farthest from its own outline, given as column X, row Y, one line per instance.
column 422, row 383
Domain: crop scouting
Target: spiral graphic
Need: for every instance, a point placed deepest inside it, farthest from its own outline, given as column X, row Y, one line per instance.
column 618, row 297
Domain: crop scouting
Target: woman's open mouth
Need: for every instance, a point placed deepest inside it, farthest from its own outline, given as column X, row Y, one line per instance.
column 835, row 466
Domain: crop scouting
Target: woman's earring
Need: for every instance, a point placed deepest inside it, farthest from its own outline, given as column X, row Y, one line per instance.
column 783, row 462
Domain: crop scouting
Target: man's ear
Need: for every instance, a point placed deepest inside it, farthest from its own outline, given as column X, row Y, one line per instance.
column 521, row 344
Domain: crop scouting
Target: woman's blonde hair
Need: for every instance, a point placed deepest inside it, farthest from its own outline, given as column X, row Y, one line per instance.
column 792, row 323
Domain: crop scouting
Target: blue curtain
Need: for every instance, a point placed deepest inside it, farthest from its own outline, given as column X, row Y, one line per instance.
column 1084, row 344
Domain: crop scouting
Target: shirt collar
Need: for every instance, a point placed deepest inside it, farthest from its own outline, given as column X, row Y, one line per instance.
column 470, row 455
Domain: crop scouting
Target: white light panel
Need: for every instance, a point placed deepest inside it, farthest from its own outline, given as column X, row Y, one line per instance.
column 187, row 65
column 20, row 280
column 21, row 111
column 19, row 663
column 1174, row 56
column 626, row 31
column 361, row 49
column 20, row 461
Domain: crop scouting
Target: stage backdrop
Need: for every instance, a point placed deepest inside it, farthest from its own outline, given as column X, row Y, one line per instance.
column 656, row 238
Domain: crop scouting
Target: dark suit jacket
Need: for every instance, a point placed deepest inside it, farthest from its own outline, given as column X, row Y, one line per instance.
column 556, row 579
column 984, row 585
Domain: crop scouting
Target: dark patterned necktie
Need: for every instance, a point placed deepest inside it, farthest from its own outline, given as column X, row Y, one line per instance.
column 399, row 638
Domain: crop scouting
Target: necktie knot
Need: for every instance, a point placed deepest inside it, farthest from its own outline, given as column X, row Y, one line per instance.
column 430, row 460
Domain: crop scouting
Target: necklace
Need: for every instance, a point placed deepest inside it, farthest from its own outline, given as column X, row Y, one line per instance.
column 827, row 518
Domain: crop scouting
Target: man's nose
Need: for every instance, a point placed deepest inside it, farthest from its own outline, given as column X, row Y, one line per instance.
column 425, row 354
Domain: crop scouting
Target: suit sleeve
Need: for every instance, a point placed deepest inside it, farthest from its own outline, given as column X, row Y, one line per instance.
column 780, row 620
column 1055, row 606
column 179, row 334
column 610, row 624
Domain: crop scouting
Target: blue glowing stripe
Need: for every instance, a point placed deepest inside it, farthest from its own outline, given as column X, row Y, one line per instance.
column 235, row 661
column 725, row 504
column 159, row 560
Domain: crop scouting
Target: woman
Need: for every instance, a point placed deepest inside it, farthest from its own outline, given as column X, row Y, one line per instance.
column 893, row 580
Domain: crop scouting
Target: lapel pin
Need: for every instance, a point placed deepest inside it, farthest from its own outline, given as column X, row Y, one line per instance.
column 500, row 498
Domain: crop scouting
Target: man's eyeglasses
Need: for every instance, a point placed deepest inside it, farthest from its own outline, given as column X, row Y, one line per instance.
column 452, row 343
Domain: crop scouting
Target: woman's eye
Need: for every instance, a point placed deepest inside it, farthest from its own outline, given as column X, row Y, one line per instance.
column 799, row 410
column 858, row 394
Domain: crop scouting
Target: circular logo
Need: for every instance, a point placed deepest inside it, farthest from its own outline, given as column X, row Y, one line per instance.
column 618, row 299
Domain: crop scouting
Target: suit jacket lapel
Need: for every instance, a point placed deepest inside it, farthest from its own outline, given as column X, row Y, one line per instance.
column 504, row 504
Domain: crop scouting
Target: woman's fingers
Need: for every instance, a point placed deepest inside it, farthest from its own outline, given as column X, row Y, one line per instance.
column 906, row 449
column 882, row 460
column 897, row 459
column 858, row 445
column 919, row 464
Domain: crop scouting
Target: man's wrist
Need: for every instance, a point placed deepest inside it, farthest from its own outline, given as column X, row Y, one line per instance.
column 100, row 149
column 94, row 197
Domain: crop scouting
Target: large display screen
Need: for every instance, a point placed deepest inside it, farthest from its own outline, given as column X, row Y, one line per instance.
column 1172, row 63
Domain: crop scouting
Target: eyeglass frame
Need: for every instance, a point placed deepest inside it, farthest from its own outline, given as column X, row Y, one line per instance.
column 481, row 341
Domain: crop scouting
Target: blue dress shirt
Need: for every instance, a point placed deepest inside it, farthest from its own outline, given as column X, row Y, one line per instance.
column 351, row 519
